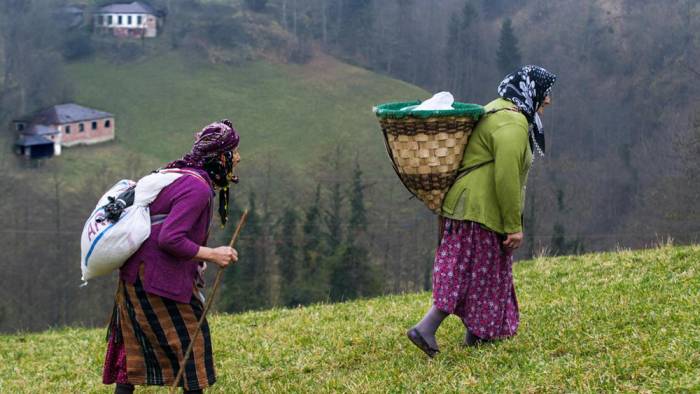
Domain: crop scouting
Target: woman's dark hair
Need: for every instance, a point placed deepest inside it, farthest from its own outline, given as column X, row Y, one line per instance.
column 220, row 169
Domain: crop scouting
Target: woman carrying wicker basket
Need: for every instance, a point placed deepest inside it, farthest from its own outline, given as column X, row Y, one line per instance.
column 482, row 216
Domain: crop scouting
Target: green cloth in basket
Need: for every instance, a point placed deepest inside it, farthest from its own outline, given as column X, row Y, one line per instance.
column 399, row 110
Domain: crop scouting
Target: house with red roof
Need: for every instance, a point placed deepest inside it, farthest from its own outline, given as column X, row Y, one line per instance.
column 43, row 133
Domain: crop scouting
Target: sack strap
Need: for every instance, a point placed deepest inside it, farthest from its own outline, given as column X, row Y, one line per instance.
column 186, row 172
column 159, row 219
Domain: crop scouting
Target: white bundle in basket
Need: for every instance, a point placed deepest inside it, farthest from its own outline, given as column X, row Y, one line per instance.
column 439, row 101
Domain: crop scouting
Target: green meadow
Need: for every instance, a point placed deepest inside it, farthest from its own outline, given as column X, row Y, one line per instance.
column 611, row 322
column 288, row 114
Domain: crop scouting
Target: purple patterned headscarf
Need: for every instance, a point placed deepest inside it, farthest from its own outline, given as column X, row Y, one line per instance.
column 214, row 139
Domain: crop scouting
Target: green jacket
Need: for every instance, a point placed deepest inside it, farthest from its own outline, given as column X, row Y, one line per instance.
column 497, row 158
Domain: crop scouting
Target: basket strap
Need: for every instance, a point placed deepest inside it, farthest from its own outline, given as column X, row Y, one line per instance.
column 493, row 111
column 472, row 168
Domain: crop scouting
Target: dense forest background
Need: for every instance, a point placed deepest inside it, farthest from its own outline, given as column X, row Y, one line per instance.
column 623, row 138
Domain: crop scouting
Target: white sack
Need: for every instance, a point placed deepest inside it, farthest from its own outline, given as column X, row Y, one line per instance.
column 105, row 246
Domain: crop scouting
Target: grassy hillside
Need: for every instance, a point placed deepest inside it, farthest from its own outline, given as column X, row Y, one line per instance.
column 289, row 116
column 607, row 322
column 289, row 113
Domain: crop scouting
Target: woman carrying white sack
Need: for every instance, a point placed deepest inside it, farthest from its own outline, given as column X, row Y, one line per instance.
column 157, row 306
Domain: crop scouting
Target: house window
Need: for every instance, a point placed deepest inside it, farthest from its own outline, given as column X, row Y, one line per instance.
column 139, row 19
column 119, row 20
column 107, row 123
column 68, row 129
column 81, row 127
column 20, row 126
column 94, row 125
column 109, row 20
column 100, row 20
column 128, row 20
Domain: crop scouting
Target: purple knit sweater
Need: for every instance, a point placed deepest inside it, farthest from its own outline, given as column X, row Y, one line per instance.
column 167, row 254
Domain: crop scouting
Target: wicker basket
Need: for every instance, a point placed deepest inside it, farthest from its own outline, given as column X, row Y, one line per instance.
column 426, row 147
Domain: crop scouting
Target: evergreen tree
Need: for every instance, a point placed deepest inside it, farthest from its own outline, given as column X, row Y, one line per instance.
column 508, row 55
column 312, row 228
column 462, row 43
column 358, row 212
column 530, row 220
column 333, row 217
column 355, row 20
column 246, row 283
column 256, row 5
column 558, row 239
column 493, row 8
column 560, row 244
column 262, row 275
column 231, row 290
column 333, row 220
column 452, row 53
column 353, row 274
column 405, row 42
column 688, row 184
column 312, row 284
column 343, row 283
column 288, row 253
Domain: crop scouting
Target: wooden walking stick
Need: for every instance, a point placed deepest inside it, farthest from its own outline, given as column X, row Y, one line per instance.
column 217, row 281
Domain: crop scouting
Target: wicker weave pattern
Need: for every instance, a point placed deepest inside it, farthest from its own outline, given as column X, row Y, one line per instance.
column 427, row 153
column 428, row 182
column 434, row 125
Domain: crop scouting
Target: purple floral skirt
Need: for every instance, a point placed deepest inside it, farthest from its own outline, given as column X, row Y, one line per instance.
column 473, row 279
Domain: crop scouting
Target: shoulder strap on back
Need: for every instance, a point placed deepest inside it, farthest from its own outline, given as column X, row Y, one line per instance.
column 470, row 169
column 493, row 111
column 186, row 172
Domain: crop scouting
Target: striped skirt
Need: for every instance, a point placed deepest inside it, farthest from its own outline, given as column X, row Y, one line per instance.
column 148, row 336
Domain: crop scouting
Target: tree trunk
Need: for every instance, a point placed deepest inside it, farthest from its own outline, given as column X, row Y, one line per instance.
column 324, row 22
column 296, row 33
column 284, row 14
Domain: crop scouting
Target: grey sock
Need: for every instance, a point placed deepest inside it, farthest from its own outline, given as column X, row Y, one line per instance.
column 429, row 325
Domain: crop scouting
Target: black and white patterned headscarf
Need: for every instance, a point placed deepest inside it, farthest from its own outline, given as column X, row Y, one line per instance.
column 527, row 88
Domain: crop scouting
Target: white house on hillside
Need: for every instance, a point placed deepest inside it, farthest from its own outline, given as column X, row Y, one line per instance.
column 135, row 19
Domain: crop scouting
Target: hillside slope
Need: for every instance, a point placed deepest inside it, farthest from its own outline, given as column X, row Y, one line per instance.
column 287, row 113
column 623, row 321
column 289, row 117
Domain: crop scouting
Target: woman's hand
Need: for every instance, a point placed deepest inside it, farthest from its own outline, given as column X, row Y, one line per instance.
column 221, row 256
column 513, row 241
